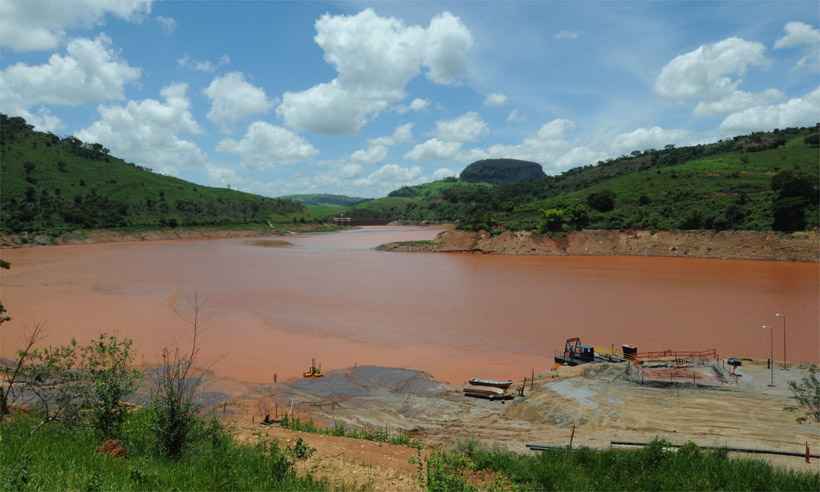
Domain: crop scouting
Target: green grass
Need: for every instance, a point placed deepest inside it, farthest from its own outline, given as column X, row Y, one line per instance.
column 651, row 468
column 55, row 457
column 378, row 434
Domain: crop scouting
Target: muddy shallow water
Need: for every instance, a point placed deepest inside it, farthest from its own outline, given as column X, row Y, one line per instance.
column 332, row 297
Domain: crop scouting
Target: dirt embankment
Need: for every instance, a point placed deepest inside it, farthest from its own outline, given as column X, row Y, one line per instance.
column 117, row 236
column 740, row 245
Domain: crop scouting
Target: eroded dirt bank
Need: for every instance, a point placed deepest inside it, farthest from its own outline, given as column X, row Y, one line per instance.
column 737, row 245
column 184, row 233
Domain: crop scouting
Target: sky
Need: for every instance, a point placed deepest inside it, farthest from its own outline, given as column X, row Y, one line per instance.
column 361, row 98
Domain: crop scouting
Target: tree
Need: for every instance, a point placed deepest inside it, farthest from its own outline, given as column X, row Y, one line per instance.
column 806, row 395
column 11, row 374
column 174, row 394
column 602, row 201
column 553, row 220
column 793, row 194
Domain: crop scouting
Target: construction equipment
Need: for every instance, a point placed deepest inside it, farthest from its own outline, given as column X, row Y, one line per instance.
column 735, row 363
column 313, row 371
column 575, row 353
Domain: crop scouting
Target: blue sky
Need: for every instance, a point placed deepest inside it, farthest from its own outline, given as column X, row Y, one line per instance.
column 364, row 97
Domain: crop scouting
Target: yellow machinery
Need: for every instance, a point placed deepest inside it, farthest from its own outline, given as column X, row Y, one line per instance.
column 313, row 371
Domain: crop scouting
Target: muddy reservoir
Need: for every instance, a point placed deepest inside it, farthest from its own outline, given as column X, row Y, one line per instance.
column 332, row 297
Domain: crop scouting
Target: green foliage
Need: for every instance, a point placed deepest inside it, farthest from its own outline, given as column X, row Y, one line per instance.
column 108, row 361
column 378, row 434
column 52, row 184
column 806, row 396
column 724, row 185
column 602, row 201
column 174, row 406
column 301, row 450
column 88, row 384
column 650, row 468
column 793, row 193
column 55, row 457
column 573, row 216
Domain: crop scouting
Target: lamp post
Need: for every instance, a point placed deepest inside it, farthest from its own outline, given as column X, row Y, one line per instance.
column 783, row 317
column 771, row 352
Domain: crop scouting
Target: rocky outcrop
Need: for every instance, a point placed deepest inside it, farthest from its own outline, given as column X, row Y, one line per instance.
column 746, row 245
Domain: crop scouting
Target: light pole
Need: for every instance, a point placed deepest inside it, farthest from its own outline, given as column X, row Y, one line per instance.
column 771, row 352
column 783, row 316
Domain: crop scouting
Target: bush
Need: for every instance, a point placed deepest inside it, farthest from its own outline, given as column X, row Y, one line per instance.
column 602, row 201
column 72, row 382
column 806, row 395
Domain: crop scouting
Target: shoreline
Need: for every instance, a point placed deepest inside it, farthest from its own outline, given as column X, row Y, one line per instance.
column 723, row 245
column 101, row 236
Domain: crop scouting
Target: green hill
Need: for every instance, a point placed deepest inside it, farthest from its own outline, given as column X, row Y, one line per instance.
column 502, row 171
column 761, row 181
column 54, row 184
column 326, row 199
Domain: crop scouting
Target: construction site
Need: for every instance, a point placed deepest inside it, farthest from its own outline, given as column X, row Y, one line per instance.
column 616, row 397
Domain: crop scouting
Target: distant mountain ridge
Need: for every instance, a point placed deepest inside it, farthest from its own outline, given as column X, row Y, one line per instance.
column 326, row 199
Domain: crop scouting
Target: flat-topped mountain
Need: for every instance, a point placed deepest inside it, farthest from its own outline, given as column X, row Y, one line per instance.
column 502, row 171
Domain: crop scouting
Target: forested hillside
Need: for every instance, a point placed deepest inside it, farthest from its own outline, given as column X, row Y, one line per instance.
column 762, row 181
column 326, row 199
column 48, row 183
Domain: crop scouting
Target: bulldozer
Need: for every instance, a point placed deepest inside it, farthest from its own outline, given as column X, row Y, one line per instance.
column 314, row 371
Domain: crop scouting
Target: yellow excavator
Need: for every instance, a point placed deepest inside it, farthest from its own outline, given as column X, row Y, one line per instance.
column 314, row 371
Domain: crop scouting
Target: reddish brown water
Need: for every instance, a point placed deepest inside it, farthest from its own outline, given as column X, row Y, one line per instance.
column 270, row 310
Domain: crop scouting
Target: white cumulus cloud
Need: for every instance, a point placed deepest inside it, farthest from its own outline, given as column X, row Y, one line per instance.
column 150, row 132
column 468, row 127
column 390, row 177
column 549, row 146
column 444, row 172
column 234, row 99
column 375, row 58
column 417, row 104
column 737, row 101
column 90, row 71
column 168, row 24
column 371, row 155
column 648, row 138
column 265, row 145
column 434, row 149
column 377, row 147
column 495, row 100
column 710, row 71
column 207, row 66
column 402, row 134
column 800, row 34
column 31, row 25
column 515, row 116
column 798, row 111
